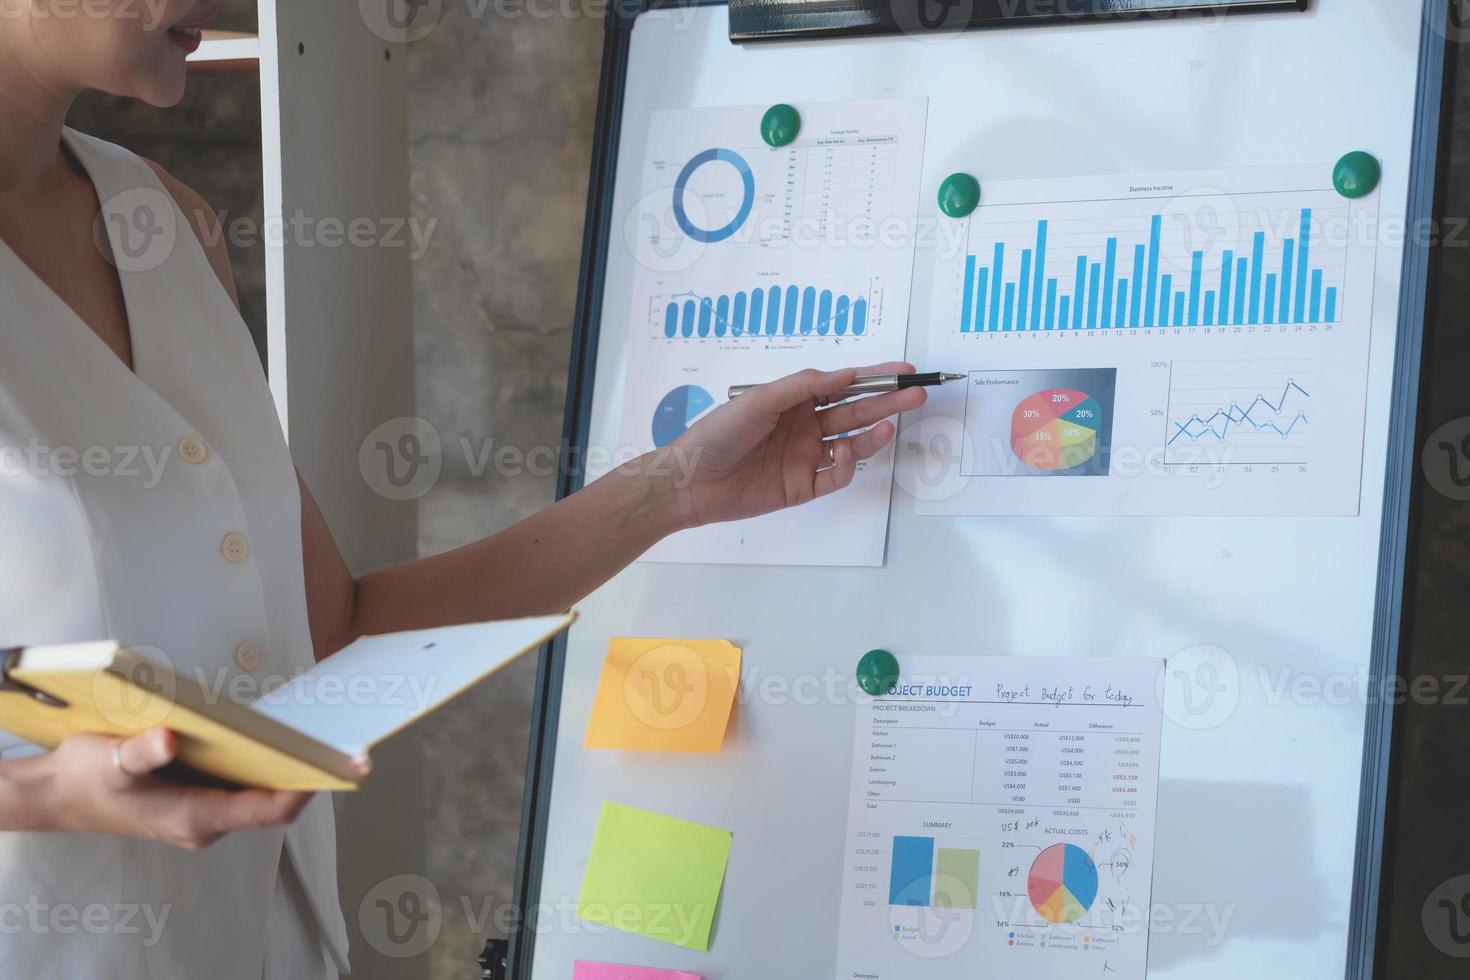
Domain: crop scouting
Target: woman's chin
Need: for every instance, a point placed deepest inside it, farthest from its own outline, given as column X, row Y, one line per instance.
column 163, row 93
column 160, row 85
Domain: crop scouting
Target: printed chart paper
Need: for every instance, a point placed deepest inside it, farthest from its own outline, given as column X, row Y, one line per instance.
column 1171, row 344
column 1001, row 821
column 753, row 262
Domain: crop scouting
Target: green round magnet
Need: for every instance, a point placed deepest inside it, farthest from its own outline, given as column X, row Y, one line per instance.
column 1356, row 175
column 877, row 672
column 958, row 195
column 780, row 124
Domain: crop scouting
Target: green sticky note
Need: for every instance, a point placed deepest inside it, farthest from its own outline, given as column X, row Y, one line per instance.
column 654, row 876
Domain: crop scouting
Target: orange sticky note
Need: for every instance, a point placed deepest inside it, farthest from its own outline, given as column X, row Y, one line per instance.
column 665, row 695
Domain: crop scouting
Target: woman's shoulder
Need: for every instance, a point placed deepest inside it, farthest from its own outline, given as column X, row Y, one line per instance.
column 204, row 222
column 201, row 217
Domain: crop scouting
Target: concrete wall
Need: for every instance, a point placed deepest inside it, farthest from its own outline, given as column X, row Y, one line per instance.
column 501, row 117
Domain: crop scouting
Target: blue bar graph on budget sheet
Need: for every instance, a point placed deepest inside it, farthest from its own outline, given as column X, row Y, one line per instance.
column 1125, row 284
column 776, row 311
column 910, row 877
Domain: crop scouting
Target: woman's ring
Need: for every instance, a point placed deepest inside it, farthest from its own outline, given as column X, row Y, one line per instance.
column 831, row 454
column 117, row 758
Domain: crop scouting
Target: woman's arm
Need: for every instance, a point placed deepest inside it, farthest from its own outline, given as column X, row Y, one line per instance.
column 24, row 788
column 774, row 447
column 764, row 451
column 543, row 564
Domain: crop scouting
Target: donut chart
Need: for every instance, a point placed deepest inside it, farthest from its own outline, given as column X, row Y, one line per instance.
column 677, row 411
column 1063, row 884
column 1056, row 429
column 747, row 199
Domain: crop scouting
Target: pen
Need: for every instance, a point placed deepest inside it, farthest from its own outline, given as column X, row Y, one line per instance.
column 873, row 383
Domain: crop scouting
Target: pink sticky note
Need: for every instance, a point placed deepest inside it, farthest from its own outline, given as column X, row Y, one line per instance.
column 612, row 971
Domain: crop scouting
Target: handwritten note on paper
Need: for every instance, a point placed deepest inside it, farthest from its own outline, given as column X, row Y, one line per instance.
column 665, row 695
column 654, row 875
column 583, row 970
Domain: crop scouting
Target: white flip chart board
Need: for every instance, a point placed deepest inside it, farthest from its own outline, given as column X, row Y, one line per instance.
column 1265, row 612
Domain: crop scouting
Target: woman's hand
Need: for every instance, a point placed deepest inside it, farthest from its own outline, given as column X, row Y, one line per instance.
column 772, row 447
column 763, row 451
column 81, row 787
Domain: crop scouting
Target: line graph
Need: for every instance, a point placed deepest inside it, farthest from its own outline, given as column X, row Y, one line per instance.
column 1218, row 425
column 1258, row 409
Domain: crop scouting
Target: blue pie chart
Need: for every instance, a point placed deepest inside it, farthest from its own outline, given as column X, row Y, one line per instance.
column 677, row 411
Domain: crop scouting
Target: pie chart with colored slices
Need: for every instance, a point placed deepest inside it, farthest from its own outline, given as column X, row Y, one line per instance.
column 1056, row 429
column 677, row 411
column 1063, row 884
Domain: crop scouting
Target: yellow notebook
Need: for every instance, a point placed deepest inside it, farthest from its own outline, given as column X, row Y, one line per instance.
column 310, row 733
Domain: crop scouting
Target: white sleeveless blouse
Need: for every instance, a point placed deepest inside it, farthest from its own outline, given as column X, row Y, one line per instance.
column 159, row 508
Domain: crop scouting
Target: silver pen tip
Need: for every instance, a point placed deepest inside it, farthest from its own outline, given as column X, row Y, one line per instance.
column 953, row 377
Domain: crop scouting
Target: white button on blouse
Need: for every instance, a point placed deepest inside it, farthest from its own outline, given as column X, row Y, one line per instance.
column 235, row 548
column 192, row 451
column 127, row 551
column 247, row 656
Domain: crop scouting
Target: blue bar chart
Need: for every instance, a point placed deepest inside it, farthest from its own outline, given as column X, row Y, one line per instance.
column 924, row 875
column 1276, row 268
column 1215, row 325
column 912, row 871
column 767, row 311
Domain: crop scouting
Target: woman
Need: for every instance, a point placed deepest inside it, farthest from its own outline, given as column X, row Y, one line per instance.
column 222, row 561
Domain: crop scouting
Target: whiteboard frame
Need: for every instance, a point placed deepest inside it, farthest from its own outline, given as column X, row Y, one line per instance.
column 1376, row 795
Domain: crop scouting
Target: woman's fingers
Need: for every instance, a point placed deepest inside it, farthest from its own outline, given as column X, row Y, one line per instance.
column 888, row 367
column 859, row 413
column 192, row 817
column 206, row 815
column 140, row 756
column 792, row 390
column 847, row 452
column 840, row 473
column 871, row 370
column 867, row 444
column 803, row 386
column 223, row 811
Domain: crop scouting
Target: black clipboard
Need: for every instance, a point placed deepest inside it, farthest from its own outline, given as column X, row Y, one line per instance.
column 787, row 20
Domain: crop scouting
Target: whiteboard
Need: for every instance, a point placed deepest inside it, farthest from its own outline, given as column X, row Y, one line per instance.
column 1258, row 813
